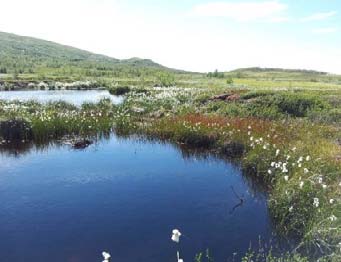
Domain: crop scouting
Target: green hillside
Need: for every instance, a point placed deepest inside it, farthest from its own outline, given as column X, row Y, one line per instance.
column 27, row 55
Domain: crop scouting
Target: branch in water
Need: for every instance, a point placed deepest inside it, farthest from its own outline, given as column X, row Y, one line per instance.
column 241, row 199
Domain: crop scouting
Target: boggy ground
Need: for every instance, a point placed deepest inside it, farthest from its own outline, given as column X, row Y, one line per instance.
column 289, row 140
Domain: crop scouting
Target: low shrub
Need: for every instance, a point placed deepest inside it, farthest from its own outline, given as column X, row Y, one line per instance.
column 119, row 90
column 255, row 94
column 332, row 116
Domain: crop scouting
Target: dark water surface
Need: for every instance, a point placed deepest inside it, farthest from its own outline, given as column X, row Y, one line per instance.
column 124, row 197
column 76, row 97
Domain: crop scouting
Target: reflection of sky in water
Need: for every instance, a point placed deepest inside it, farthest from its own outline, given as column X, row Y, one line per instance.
column 76, row 97
column 124, row 196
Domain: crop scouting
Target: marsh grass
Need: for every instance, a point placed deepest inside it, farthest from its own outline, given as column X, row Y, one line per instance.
column 304, row 169
column 40, row 122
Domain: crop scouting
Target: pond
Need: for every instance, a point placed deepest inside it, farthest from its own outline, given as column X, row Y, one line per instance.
column 76, row 97
column 125, row 196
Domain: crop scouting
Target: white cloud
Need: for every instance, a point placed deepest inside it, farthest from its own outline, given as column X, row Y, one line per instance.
column 319, row 16
column 325, row 30
column 280, row 19
column 242, row 12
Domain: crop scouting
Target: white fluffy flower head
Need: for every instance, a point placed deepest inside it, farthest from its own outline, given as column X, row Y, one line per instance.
column 333, row 218
column 176, row 235
column 106, row 256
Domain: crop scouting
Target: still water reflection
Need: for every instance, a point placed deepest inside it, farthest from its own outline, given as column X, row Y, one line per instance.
column 125, row 196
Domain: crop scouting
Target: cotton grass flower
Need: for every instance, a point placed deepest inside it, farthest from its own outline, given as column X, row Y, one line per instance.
column 305, row 170
column 106, row 256
column 333, row 218
column 316, row 202
column 301, row 184
column 331, row 201
column 277, row 152
column 176, row 235
column 286, row 178
column 291, row 209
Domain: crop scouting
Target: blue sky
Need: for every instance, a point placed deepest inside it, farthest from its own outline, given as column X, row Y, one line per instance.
column 194, row 35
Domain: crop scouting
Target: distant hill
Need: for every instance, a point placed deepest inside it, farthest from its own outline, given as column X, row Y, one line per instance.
column 277, row 70
column 21, row 54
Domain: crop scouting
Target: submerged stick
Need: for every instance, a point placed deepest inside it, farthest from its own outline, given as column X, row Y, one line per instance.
column 241, row 199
